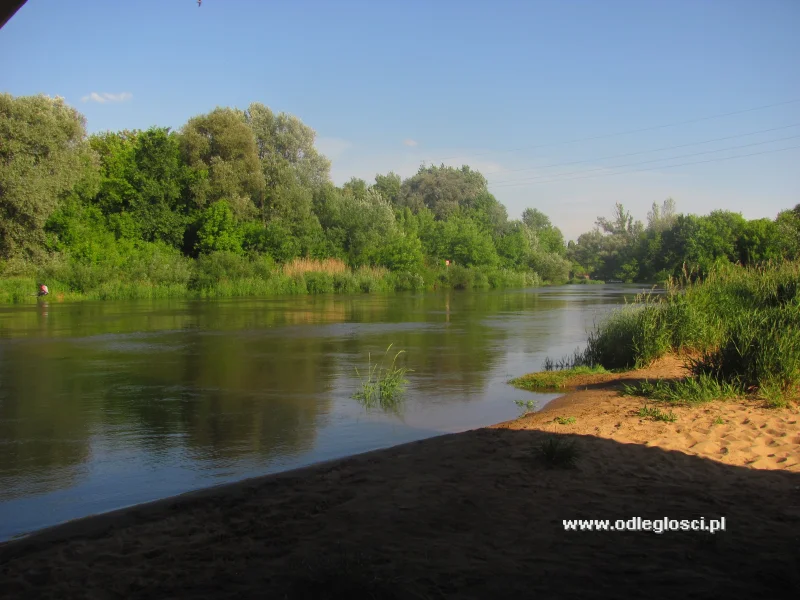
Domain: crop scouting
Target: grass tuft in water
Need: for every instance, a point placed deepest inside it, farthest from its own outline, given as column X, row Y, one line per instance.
column 382, row 386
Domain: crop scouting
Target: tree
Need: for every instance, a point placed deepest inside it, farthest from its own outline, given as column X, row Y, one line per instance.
column 661, row 218
column 357, row 188
column 701, row 242
column 788, row 223
column 218, row 231
column 461, row 240
column 441, row 189
column 389, row 186
column 221, row 150
column 621, row 224
column 43, row 155
column 359, row 222
column 516, row 245
column 759, row 241
column 288, row 159
column 549, row 236
column 487, row 212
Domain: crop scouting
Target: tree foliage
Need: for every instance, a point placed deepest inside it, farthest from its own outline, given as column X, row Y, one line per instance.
column 249, row 185
column 43, row 156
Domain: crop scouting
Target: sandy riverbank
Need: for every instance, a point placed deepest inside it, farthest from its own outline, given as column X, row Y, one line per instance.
column 470, row 515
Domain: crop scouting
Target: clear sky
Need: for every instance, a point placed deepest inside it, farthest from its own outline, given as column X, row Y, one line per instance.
column 498, row 85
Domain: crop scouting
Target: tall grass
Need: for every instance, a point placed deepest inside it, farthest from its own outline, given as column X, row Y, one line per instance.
column 156, row 271
column 742, row 324
column 382, row 386
column 301, row 266
column 691, row 390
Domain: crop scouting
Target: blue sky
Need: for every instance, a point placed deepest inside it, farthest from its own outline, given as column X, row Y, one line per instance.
column 387, row 85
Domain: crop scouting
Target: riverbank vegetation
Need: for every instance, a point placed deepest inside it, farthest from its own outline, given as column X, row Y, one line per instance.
column 240, row 203
column 739, row 329
column 556, row 379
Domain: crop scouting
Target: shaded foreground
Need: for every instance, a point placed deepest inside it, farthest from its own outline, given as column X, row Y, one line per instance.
column 470, row 515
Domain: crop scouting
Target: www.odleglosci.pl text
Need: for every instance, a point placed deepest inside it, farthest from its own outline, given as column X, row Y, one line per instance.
column 640, row 524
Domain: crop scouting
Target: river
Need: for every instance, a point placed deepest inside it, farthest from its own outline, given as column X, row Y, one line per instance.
column 108, row 404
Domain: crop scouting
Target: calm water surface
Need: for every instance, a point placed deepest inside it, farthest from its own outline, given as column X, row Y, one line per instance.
column 105, row 405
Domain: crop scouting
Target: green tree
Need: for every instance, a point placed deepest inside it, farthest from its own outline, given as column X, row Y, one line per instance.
column 759, row 241
column 441, row 189
column 389, row 186
column 788, row 223
column 289, row 161
column 461, row 240
column 357, row 220
column 550, row 237
column 516, row 245
column 401, row 252
column 43, row 155
column 218, row 231
column 160, row 205
column 221, row 150
column 661, row 218
column 701, row 242
column 487, row 212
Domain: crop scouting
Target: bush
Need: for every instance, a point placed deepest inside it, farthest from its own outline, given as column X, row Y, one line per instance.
column 345, row 283
column 632, row 337
column 319, row 283
column 217, row 267
column 744, row 321
column 406, row 281
column 762, row 349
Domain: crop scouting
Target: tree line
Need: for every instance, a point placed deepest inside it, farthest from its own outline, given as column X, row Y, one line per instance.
column 670, row 244
column 250, row 185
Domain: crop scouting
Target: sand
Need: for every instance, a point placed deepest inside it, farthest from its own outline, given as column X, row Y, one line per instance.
column 734, row 433
column 468, row 515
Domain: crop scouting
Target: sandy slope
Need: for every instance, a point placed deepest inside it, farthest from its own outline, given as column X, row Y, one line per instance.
column 471, row 515
column 750, row 434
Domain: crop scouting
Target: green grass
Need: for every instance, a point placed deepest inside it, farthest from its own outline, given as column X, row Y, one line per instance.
column 742, row 324
column 382, row 386
column 773, row 396
column 656, row 414
column 564, row 420
column 762, row 351
column 582, row 281
column 718, row 421
column 692, row 390
column 557, row 453
column 152, row 273
column 553, row 380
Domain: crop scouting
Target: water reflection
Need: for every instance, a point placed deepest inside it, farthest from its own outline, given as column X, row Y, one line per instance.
column 107, row 404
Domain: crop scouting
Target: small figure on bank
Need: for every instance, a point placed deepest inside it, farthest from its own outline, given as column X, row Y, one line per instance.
column 43, row 291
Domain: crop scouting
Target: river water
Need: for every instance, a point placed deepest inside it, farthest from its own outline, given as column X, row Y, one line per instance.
column 108, row 404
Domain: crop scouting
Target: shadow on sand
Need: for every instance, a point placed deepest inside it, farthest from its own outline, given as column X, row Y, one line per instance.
column 470, row 515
